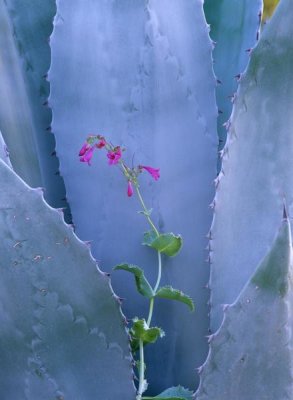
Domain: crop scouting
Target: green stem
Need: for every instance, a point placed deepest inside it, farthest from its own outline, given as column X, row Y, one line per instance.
column 146, row 211
column 159, row 272
column 141, row 371
column 152, row 300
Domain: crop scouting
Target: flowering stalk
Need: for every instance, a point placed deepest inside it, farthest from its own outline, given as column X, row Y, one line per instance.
column 141, row 332
column 152, row 300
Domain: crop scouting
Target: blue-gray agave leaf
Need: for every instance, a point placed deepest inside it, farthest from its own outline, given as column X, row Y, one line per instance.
column 235, row 30
column 140, row 72
column 25, row 117
column 251, row 354
column 257, row 167
column 62, row 333
column 16, row 122
column 4, row 152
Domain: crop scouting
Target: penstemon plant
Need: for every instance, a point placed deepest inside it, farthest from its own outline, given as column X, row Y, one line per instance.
column 141, row 331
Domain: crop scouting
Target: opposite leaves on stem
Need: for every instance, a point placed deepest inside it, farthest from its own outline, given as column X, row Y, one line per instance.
column 141, row 331
column 163, row 398
column 174, row 393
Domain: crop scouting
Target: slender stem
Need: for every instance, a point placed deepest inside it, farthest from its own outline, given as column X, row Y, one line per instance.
column 152, row 300
column 141, row 371
column 146, row 211
column 159, row 272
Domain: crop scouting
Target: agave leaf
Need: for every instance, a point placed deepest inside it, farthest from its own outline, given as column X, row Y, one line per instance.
column 257, row 168
column 62, row 332
column 16, row 122
column 147, row 85
column 4, row 153
column 235, row 29
column 25, row 118
column 251, row 354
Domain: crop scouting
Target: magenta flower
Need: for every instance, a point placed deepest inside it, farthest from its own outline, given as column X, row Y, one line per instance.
column 84, row 149
column 129, row 189
column 102, row 143
column 87, row 155
column 153, row 171
column 114, row 156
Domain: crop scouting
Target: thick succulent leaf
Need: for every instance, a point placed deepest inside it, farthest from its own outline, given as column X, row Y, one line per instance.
column 166, row 243
column 148, row 85
column 257, row 166
column 251, row 354
column 167, row 292
column 4, row 153
column 16, row 122
column 62, row 333
column 25, row 118
column 234, row 28
column 142, row 284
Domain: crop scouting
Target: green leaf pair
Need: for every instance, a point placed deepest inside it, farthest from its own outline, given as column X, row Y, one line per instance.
column 144, row 288
column 141, row 331
column 166, row 243
column 163, row 398
column 174, row 393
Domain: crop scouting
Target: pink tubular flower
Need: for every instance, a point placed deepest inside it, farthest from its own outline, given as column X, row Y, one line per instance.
column 84, row 149
column 153, row 171
column 114, row 156
column 87, row 156
column 102, row 143
column 129, row 189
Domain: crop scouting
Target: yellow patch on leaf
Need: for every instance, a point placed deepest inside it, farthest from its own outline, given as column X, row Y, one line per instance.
column 269, row 8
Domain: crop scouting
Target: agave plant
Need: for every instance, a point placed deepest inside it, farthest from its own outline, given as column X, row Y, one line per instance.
column 157, row 76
